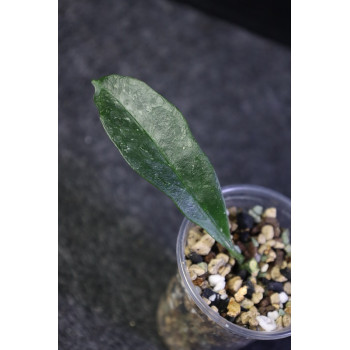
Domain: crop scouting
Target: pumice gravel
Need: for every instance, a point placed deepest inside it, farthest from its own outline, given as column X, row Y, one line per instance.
column 257, row 293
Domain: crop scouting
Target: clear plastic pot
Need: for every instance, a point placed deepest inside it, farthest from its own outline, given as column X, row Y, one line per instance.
column 185, row 321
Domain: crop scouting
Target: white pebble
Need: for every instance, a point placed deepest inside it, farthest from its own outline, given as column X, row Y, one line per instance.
column 215, row 279
column 219, row 286
column 266, row 323
column 273, row 315
column 223, row 296
column 264, row 268
column 283, row 297
column 212, row 297
column 218, row 282
column 258, row 209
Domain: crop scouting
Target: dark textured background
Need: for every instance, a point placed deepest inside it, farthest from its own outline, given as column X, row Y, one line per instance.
column 116, row 232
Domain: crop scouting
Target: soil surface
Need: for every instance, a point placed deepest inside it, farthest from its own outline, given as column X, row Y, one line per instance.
column 256, row 293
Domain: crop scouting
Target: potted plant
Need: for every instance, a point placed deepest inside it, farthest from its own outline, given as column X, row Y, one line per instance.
column 233, row 251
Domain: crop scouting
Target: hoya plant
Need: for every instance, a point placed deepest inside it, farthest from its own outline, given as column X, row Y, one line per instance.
column 155, row 140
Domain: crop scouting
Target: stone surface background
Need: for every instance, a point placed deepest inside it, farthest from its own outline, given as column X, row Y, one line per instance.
column 116, row 232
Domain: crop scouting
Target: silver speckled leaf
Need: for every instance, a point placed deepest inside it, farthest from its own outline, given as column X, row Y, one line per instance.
column 155, row 140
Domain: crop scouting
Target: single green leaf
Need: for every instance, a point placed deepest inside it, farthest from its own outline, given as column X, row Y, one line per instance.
column 155, row 140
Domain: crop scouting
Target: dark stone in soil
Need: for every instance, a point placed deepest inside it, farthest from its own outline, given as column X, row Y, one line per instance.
column 242, row 273
column 262, row 310
column 264, row 302
column 271, row 221
column 264, row 306
column 270, row 308
column 275, row 286
column 251, row 250
column 255, row 230
column 221, row 304
column 235, row 237
column 244, row 221
column 241, row 246
column 280, row 257
column 250, row 289
column 244, row 236
column 210, row 256
column 277, row 232
column 221, row 248
column 215, row 249
column 198, row 281
column 235, row 268
column 207, row 292
column 264, row 280
column 195, row 258
column 286, row 273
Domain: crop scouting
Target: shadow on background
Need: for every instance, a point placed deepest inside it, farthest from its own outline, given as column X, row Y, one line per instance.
column 268, row 18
